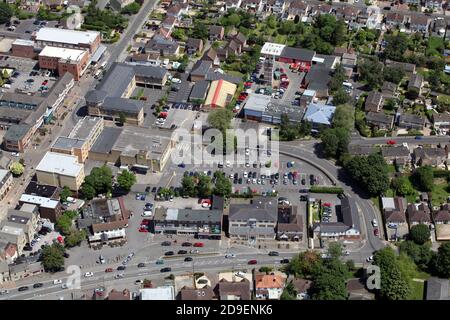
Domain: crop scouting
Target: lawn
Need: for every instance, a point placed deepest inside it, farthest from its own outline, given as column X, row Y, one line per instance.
column 440, row 192
column 391, row 168
column 417, row 288
column 435, row 46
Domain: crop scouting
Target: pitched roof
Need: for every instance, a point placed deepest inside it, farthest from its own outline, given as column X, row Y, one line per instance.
column 262, row 209
column 319, row 113
column 379, row 117
column 205, row 293
column 240, row 289
column 298, row 54
column 269, row 281
column 420, row 214
column 100, row 227
column 437, row 289
column 302, row 285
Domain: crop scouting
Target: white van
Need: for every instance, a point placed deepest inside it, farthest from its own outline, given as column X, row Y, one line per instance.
column 347, row 85
column 7, row 86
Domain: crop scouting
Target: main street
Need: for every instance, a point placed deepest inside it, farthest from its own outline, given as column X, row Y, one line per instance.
column 399, row 140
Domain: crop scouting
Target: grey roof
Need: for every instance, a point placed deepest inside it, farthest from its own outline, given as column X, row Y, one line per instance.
column 415, row 81
column 129, row 106
column 213, row 29
column 411, row 118
column 318, row 78
column 182, row 94
column 162, row 45
column 83, row 128
column 333, row 227
column 67, row 143
column 194, row 43
column 298, row 54
column 96, row 96
column 249, row 231
column 16, row 132
column 200, row 215
column 61, row 85
column 379, row 117
column 201, row 68
column 374, row 97
column 437, row 289
column 14, row 114
column 349, row 213
column 212, row 76
column 33, row 101
column 355, row 149
column 199, row 90
column 106, row 140
column 261, row 209
column 395, row 151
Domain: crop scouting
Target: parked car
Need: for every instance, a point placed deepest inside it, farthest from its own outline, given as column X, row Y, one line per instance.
column 273, row 253
column 376, row 232
column 166, row 243
column 181, row 252
column 88, row 274
column 199, row 244
column 38, row 285
column 284, row 261
column 24, row 288
column 57, row 281
column 374, row 223
column 141, row 265
column 369, row 259
column 160, row 261
column 186, row 244
column 118, row 276
column 169, row 253
column 121, row 268
column 230, row 255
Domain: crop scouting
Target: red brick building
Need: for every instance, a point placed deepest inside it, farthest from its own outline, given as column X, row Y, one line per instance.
column 64, row 60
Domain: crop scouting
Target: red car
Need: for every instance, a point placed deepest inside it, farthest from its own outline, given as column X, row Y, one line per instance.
column 242, row 98
column 44, row 83
column 375, row 232
column 327, row 204
column 144, row 222
column 248, row 84
column 109, row 270
column 391, row 142
column 252, row 261
column 199, row 244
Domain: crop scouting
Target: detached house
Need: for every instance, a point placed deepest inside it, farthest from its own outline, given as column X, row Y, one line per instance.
column 374, row 102
column 418, row 213
column 410, row 121
column 254, row 6
column 275, row 6
column 394, row 19
column 419, row 23
column 215, row 33
column 398, row 155
column 269, row 286
column 441, row 120
column 432, row 156
column 389, row 90
column 298, row 10
column 416, row 82
column 394, row 211
column 442, row 216
column 194, row 46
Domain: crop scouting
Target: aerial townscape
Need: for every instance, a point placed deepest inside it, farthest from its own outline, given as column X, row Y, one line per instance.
column 224, row 150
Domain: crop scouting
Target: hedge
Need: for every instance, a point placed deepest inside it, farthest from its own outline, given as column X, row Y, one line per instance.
column 322, row 189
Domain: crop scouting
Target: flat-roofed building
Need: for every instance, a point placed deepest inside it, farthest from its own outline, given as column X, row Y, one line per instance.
column 66, row 38
column 18, row 137
column 48, row 208
column 13, row 234
column 64, row 60
column 6, row 181
column 24, row 49
column 60, row 170
column 27, row 220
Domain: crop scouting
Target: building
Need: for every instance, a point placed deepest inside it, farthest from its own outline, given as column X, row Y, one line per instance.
column 302, row 287
column 200, row 70
column 290, row 224
column 418, row 213
column 64, row 60
column 441, row 120
column 199, row 92
column 111, row 98
column 81, row 139
column 269, row 286
column 374, row 102
column 165, row 47
column 108, row 232
column 253, row 221
column 436, row 157
column 410, row 121
column 26, row 220
column 408, row 68
column 234, row 290
column 6, row 180
column 159, row 293
column 13, row 233
column 60, row 170
column 215, row 33
column 303, row 57
column 347, row 228
column 24, row 49
column 220, row 93
column 66, row 38
column 379, row 120
column 119, row 295
column 202, row 224
column 416, row 82
column 319, row 114
column 120, row 4
column 48, row 208
column 193, row 294
column 394, row 211
column 18, row 137
column 396, row 155
column 194, row 46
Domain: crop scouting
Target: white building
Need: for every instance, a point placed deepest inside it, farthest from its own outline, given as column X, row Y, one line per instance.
column 159, row 293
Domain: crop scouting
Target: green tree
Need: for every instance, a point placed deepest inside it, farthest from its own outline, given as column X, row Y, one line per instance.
column 220, row 119
column 402, row 186
column 304, row 264
column 420, row 254
column 412, row 93
column 188, row 186
column 64, row 194
column 126, row 180
column 132, row 8
column 341, row 97
column 442, row 260
column 74, row 238
column 122, row 118
column 88, row 191
column 53, row 257
column 344, row 117
column 423, row 178
column 17, row 168
column 97, row 182
column 5, row 12
column 288, row 131
column 222, row 186
column 370, row 72
column 329, row 285
column 337, row 79
column 335, row 250
column 396, row 46
column 419, row 233
column 289, row 292
column 204, row 186
column 393, row 74
column 335, row 142
column 394, row 284
column 64, row 224
column 200, row 31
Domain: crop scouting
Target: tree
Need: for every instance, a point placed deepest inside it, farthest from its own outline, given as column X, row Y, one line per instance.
column 188, row 186
column 122, row 118
column 396, row 46
column 126, row 180
column 17, row 168
column 369, row 171
column 419, row 233
column 53, row 257
column 220, row 119
column 289, row 292
column 64, row 194
column 442, row 260
column 5, row 12
column 335, row 250
column 304, row 264
column 200, row 31
column 97, row 182
column 370, row 72
column 393, row 74
column 420, row 254
column 132, row 8
column 64, row 224
column 335, row 142
column 222, row 186
column 204, row 186
column 288, row 131
column 394, row 284
column 412, row 93
column 341, row 97
column 88, row 191
column 402, row 186
column 344, row 117
column 423, row 178
column 337, row 79
column 328, row 285
column 74, row 238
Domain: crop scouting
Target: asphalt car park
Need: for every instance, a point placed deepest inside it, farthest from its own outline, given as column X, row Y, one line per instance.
column 28, row 26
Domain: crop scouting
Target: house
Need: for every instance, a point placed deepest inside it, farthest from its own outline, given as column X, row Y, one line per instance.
column 347, row 13
column 441, row 120
column 302, row 287
column 194, row 46
column 432, row 156
column 119, row 295
column 159, row 293
column 374, row 102
column 253, row 221
column 14, row 233
column 297, row 10
column 241, row 40
column 48, row 208
column 25, row 269
column 319, row 114
column 349, row 60
column 380, row 120
column 394, row 154
column 169, row 23
column 275, row 6
column 416, row 82
column 394, row 212
column 164, row 47
column 253, row 6
column 437, row 289
column 410, row 121
column 191, row 294
column 4, row 271
column 442, row 216
column 408, row 68
column 211, row 55
column 233, row 290
column 395, row 20
column 389, row 90
column 177, row 10
column 434, row 4
column 418, row 213
column 6, row 180
column 356, row 149
column 215, row 33
column 347, row 228
column 27, row 221
column 419, row 23
column 269, row 286
column 232, row 4
column 290, row 224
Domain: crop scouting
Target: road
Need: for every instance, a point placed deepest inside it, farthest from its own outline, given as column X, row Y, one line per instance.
column 400, row 139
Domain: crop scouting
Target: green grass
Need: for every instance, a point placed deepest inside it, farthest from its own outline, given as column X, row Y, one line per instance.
column 391, row 168
column 440, row 193
column 416, row 290
column 376, row 202
column 435, row 46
